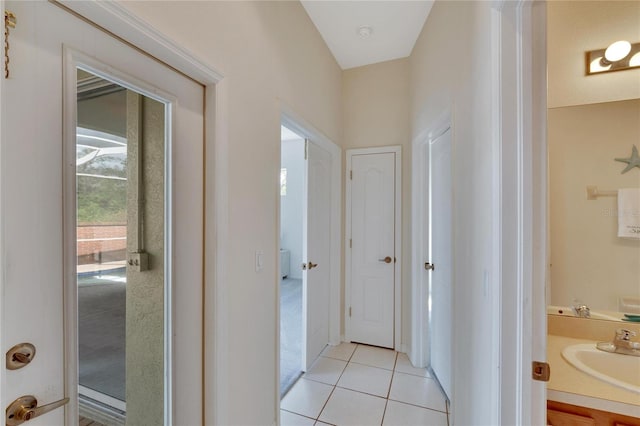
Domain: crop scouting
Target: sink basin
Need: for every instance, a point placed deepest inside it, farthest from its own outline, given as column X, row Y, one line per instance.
column 616, row 369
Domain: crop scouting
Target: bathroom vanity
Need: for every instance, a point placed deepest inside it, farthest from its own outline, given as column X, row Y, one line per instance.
column 576, row 397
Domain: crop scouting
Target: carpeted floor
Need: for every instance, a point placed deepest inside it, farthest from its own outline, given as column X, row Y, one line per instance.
column 101, row 324
column 290, row 333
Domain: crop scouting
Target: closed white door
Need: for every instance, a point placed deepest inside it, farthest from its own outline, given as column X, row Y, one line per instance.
column 439, row 264
column 316, row 252
column 37, row 202
column 373, row 258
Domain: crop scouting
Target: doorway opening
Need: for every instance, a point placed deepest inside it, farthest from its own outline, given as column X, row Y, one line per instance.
column 309, row 234
column 292, row 194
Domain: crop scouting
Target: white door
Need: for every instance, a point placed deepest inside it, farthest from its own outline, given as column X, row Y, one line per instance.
column 373, row 254
column 37, row 200
column 439, row 264
column 316, row 251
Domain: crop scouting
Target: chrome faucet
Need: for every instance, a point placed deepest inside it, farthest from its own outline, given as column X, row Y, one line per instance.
column 621, row 343
column 581, row 310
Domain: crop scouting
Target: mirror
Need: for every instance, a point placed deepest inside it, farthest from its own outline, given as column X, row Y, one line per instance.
column 591, row 121
column 590, row 264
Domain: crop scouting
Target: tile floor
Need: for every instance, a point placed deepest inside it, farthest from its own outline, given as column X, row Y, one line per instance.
column 362, row 385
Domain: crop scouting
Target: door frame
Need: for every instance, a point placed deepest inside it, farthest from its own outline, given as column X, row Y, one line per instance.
column 397, row 315
column 3, row 371
column 419, row 351
column 118, row 21
column 306, row 130
column 518, row 102
column 72, row 59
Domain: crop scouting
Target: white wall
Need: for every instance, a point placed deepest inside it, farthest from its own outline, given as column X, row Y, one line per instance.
column 270, row 55
column 376, row 113
column 451, row 70
column 291, row 205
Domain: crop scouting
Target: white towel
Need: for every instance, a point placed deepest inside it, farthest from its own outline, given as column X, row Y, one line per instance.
column 629, row 213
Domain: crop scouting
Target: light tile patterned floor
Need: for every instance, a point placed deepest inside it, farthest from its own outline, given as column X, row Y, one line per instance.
column 363, row 385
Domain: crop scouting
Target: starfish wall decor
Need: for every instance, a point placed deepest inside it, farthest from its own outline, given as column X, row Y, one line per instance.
column 633, row 161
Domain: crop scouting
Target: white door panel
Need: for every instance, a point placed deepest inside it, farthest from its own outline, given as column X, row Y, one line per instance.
column 36, row 229
column 440, row 213
column 373, row 241
column 32, row 218
column 317, row 246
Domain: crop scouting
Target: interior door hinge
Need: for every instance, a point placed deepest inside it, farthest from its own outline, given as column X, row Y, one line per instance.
column 349, row 310
column 306, row 149
column 540, row 371
column 350, row 243
column 351, row 174
column 9, row 22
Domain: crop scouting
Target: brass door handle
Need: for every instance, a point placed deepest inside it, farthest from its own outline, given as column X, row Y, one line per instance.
column 26, row 408
column 385, row 260
column 312, row 265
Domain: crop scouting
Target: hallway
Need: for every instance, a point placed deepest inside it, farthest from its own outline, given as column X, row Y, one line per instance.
column 353, row 384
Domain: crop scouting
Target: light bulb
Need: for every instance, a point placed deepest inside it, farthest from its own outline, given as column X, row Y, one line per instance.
column 598, row 66
column 635, row 60
column 618, row 50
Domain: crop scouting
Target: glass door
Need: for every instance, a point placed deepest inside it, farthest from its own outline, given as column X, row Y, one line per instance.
column 120, row 144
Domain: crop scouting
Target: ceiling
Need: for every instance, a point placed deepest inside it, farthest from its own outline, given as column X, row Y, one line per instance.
column 395, row 26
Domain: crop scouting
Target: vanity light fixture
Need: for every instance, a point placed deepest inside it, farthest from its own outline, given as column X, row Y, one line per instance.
column 620, row 55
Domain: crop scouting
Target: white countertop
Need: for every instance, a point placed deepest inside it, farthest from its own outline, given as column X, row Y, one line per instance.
column 571, row 386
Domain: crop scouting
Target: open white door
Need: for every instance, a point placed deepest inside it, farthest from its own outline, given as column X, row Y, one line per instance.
column 37, row 202
column 316, row 276
column 439, row 265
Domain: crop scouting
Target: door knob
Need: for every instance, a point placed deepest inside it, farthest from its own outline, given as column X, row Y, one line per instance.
column 429, row 266
column 312, row 265
column 385, row 260
column 26, row 408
